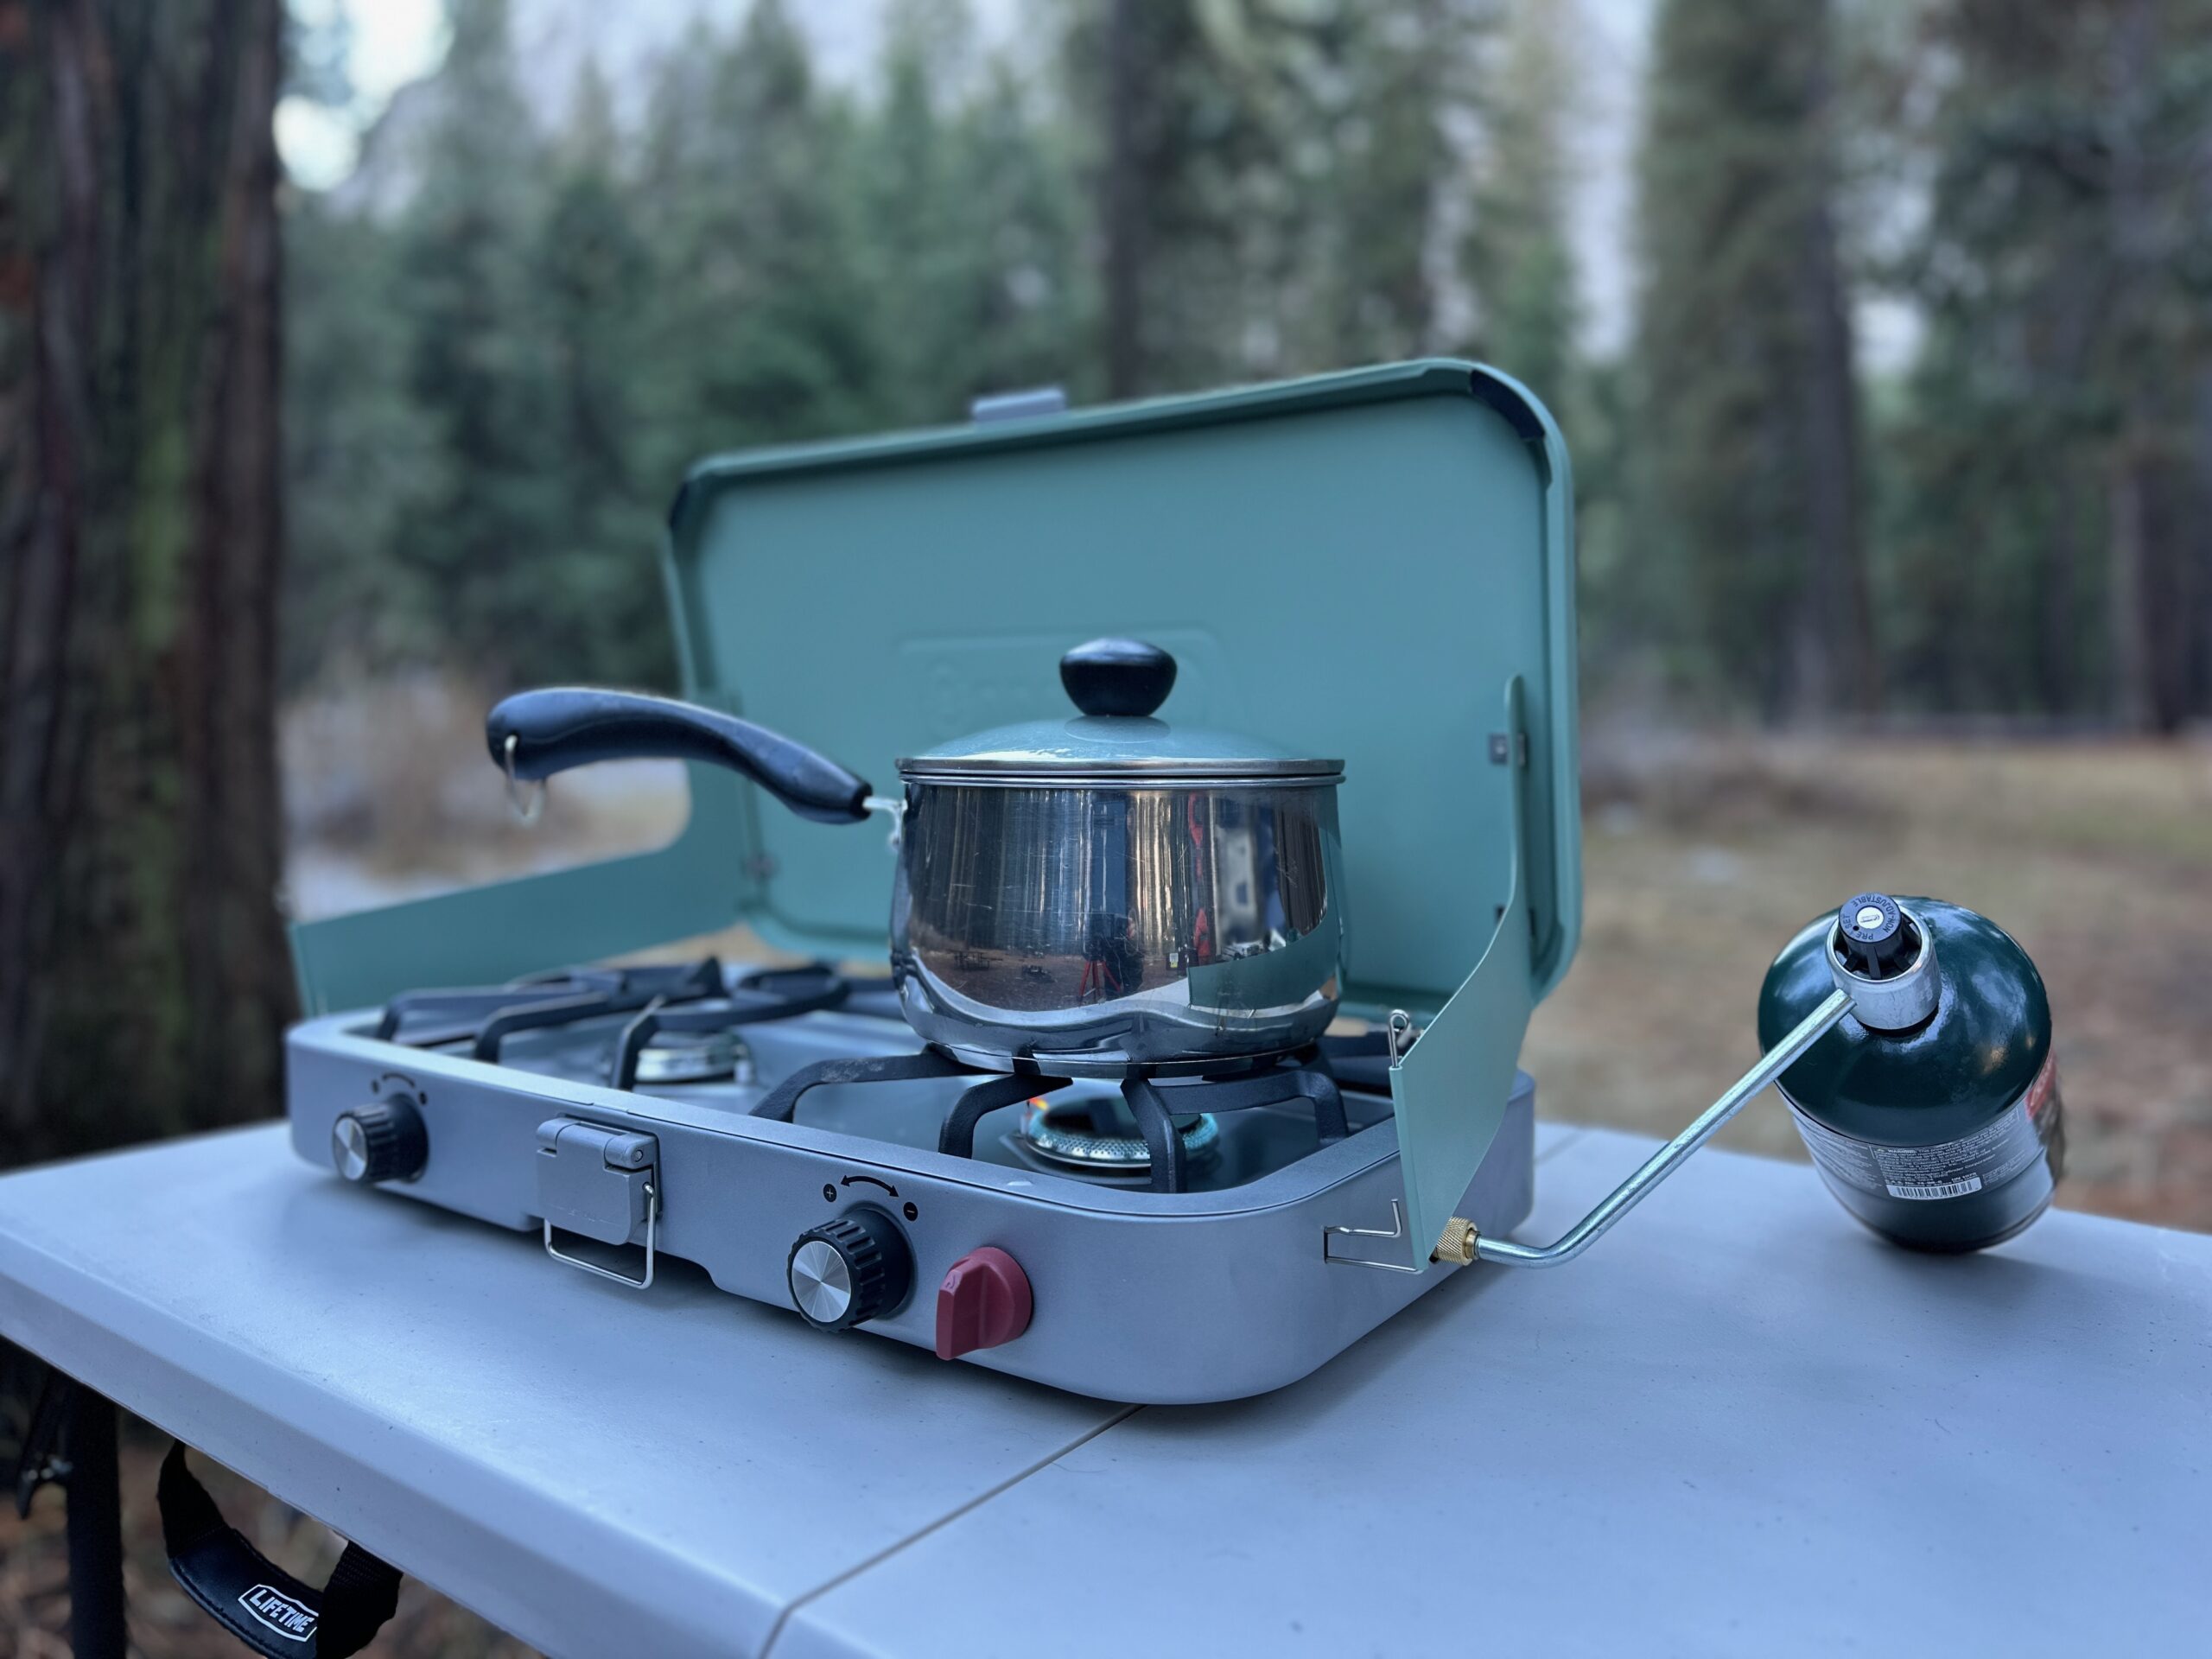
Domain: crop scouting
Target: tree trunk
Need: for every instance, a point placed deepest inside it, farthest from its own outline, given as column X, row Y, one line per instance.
column 2056, row 628
column 143, row 983
column 1835, row 668
column 2195, row 555
column 2127, row 553
column 2144, row 628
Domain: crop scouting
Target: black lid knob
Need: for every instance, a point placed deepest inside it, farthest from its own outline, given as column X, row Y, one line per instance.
column 383, row 1141
column 849, row 1269
column 1877, row 941
column 1117, row 676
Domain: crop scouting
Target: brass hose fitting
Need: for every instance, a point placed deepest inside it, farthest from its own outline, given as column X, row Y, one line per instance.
column 1457, row 1245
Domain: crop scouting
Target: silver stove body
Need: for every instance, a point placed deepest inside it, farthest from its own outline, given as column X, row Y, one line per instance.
column 1230, row 1289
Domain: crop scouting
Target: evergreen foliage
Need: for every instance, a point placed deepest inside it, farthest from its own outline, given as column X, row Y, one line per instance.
column 592, row 264
column 359, row 454
column 497, row 374
column 1746, row 411
column 479, row 365
column 2047, row 549
column 1516, row 256
column 762, row 312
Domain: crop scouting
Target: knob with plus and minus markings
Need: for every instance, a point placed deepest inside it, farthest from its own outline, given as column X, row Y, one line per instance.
column 383, row 1141
column 848, row 1269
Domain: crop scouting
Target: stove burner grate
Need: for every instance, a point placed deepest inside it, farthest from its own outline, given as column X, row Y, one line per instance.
column 649, row 1050
column 683, row 1032
column 1306, row 1076
column 486, row 1015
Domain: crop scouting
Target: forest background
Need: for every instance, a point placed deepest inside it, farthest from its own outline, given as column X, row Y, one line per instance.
column 1890, row 411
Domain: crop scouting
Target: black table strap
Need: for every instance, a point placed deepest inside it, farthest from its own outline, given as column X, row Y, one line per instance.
column 259, row 1603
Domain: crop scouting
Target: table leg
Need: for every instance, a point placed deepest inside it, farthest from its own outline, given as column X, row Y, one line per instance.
column 94, row 1486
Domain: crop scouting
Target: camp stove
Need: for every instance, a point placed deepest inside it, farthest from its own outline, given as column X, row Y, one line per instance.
column 1378, row 565
column 843, row 1173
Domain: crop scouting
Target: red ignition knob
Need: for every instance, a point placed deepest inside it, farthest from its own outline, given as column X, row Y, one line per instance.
column 984, row 1301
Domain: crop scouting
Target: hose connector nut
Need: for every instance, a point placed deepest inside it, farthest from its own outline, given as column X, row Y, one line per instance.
column 1457, row 1245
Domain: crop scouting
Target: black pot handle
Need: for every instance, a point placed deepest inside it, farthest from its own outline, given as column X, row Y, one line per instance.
column 256, row 1601
column 534, row 734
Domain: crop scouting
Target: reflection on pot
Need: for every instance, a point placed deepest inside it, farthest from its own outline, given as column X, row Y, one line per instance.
column 1113, row 926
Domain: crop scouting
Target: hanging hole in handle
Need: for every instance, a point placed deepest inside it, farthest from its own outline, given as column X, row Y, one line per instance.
column 527, row 799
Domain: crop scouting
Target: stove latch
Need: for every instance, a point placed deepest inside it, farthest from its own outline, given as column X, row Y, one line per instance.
column 603, row 1184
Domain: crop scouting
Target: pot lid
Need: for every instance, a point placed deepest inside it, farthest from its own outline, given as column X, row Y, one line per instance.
column 1117, row 685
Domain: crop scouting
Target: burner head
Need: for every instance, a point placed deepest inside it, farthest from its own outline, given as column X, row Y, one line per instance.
column 1097, row 1133
column 682, row 1057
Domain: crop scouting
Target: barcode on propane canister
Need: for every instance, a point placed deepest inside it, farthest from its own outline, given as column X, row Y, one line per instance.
column 1937, row 1189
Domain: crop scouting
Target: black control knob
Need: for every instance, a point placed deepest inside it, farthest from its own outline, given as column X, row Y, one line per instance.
column 383, row 1141
column 849, row 1269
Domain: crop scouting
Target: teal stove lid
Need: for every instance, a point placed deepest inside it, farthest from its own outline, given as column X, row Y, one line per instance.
column 1350, row 566
column 1357, row 565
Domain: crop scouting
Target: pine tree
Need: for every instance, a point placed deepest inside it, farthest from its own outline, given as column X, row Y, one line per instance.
column 1517, row 254
column 591, row 271
column 926, row 260
column 360, row 455
column 480, row 366
column 2044, row 551
column 1393, row 88
column 1749, row 404
column 761, row 330
column 970, row 223
column 1030, row 318
column 1170, row 138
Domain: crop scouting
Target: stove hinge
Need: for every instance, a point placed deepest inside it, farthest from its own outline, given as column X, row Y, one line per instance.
column 603, row 1184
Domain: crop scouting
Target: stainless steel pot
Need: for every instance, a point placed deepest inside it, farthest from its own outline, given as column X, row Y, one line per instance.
column 1082, row 896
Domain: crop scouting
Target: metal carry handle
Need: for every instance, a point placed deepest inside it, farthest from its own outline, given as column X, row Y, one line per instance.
column 653, row 1231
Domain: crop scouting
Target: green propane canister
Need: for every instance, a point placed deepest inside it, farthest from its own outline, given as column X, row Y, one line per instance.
column 1932, row 1109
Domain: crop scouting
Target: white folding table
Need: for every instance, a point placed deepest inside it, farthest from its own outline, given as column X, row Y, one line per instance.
column 1739, row 1425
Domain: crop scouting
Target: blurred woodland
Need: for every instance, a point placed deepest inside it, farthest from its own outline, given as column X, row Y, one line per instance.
column 342, row 462
column 500, row 359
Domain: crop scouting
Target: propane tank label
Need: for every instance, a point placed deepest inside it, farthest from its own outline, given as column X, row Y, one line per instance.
column 1990, row 1157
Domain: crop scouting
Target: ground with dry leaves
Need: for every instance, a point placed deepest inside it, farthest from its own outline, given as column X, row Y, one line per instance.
column 164, row 1623
column 2097, row 857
